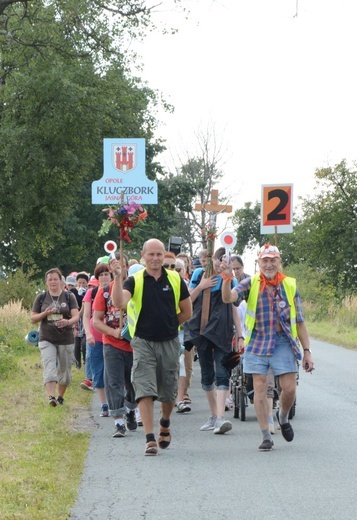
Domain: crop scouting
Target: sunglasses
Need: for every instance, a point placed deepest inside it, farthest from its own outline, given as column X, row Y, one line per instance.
column 169, row 266
column 178, row 269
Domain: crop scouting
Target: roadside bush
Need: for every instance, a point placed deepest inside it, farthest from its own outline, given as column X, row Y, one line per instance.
column 19, row 286
column 14, row 325
column 318, row 294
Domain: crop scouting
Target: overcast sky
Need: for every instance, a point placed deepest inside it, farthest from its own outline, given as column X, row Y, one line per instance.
column 276, row 78
column 280, row 89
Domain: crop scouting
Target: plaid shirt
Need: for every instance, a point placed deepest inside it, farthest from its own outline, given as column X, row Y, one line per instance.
column 272, row 308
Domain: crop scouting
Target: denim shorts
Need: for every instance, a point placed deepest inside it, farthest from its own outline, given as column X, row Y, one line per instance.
column 283, row 360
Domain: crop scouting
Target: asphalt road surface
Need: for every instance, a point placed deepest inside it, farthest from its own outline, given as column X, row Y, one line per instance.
column 203, row 476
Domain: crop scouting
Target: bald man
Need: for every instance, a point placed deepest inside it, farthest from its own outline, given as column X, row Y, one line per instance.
column 157, row 301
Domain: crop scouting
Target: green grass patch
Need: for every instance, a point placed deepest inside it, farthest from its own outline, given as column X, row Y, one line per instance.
column 42, row 448
column 333, row 332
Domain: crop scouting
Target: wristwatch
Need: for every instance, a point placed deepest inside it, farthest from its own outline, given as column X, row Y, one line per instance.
column 307, row 350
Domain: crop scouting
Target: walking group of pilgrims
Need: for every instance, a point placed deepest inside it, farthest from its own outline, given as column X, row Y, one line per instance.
column 136, row 326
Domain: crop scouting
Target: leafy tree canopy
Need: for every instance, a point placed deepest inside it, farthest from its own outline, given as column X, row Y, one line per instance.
column 64, row 85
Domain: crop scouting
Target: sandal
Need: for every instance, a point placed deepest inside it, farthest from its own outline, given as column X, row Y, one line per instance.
column 164, row 438
column 150, row 449
column 186, row 399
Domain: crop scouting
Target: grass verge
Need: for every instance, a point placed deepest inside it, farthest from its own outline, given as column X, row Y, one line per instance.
column 333, row 332
column 43, row 449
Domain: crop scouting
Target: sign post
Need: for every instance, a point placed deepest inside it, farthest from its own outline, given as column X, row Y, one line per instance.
column 228, row 240
column 276, row 209
column 124, row 179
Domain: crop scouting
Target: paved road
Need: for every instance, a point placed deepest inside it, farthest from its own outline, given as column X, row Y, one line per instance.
column 203, row 476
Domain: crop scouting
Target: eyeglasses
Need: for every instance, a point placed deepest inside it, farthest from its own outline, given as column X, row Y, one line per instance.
column 169, row 266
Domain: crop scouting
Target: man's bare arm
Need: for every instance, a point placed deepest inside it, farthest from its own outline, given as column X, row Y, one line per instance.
column 186, row 310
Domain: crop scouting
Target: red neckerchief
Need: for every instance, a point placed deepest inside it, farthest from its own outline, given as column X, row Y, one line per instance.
column 278, row 278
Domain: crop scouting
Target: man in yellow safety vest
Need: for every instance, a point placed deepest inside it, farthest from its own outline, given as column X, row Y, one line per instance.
column 275, row 329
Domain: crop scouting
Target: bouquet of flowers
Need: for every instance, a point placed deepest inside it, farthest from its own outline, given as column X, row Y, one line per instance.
column 126, row 216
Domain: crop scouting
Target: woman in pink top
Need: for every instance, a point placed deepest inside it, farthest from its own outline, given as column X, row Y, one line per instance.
column 94, row 338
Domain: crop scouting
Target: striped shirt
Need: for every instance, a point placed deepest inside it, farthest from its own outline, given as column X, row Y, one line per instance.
column 272, row 312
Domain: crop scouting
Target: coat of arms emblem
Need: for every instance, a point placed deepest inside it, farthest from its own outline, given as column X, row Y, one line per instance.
column 124, row 157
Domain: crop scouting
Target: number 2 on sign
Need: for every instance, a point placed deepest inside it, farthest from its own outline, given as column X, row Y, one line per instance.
column 277, row 206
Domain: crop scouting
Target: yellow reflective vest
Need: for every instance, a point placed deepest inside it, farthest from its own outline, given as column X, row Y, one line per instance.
column 135, row 302
column 290, row 289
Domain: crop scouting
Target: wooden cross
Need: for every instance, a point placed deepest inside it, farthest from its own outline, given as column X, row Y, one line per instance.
column 213, row 208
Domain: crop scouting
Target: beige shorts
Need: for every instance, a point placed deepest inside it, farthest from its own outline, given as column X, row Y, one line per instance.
column 156, row 366
column 57, row 362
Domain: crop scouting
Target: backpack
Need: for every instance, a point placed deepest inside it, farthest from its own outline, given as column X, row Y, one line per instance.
column 68, row 298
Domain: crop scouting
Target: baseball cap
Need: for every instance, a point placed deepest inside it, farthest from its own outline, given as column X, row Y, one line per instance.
column 269, row 251
column 103, row 260
column 71, row 280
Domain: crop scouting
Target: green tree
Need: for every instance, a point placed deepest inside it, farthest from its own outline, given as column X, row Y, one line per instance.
column 246, row 223
column 326, row 235
column 64, row 86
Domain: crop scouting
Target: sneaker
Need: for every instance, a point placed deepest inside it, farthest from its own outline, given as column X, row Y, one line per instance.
column 104, row 412
column 138, row 417
column 286, row 429
column 266, row 445
column 183, row 407
column 60, row 400
column 119, row 430
column 222, row 426
column 229, row 404
column 131, row 422
column 209, row 425
column 87, row 384
column 52, row 401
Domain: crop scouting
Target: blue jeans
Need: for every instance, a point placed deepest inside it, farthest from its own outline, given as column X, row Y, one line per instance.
column 117, row 380
column 96, row 361
column 213, row 374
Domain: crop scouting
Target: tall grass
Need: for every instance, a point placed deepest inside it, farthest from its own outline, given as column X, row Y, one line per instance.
column 42, row 448
column 339, row 326
column 348, row 311
column 344, row 314
column 13, row 310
